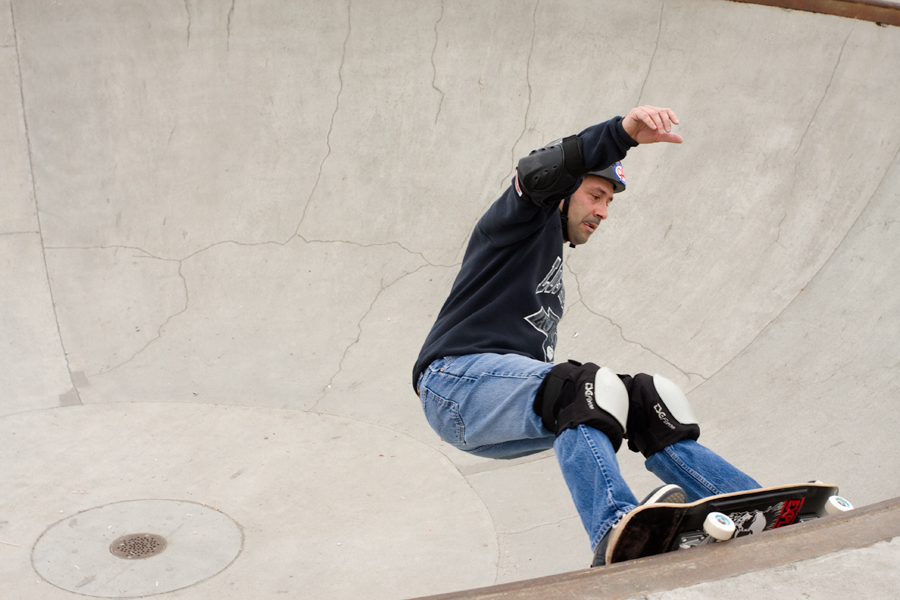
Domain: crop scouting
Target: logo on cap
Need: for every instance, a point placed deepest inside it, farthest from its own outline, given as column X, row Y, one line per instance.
column 620, row 172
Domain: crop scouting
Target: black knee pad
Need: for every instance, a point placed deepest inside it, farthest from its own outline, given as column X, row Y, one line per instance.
column 658, row 414
column 573, row 394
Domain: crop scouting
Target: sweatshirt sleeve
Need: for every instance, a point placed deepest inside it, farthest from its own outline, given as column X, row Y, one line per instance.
column 604, row 144
column 512, row 217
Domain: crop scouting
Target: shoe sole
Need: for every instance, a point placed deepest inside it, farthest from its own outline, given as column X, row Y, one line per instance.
column 667, row 494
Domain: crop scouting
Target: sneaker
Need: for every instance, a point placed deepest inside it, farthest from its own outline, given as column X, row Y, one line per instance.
column 664, row 494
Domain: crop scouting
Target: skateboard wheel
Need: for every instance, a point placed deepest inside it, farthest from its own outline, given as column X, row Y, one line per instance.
column 837, row 505
column 719, row 526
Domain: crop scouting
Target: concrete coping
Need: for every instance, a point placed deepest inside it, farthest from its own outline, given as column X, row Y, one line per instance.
column 859, row 528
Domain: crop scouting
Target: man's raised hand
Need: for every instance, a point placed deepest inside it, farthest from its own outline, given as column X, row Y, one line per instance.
column 650, row 124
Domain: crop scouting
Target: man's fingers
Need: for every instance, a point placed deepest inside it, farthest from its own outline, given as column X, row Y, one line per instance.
column 658, row 121
column 645, row 116
column 666, row 120
column 656, row 118
column 662, row 117
column 648, row 124
column 672, row 116
column 672, row 138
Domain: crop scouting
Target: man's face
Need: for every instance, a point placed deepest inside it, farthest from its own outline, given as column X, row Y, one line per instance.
column 588, row 207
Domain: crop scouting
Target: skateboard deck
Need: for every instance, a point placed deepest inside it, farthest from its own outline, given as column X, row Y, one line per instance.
column 659, row 528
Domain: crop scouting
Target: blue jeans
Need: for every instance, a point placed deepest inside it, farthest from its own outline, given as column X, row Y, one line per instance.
column 482, row 404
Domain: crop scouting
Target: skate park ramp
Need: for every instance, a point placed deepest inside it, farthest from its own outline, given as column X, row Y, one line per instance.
column 227, row 227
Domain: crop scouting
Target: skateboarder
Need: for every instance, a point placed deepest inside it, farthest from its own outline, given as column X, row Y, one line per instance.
column 485, row 374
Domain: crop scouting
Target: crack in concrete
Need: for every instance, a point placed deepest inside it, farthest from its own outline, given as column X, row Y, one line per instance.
column 187, row 291
column 309, row 242
column 359, row 327
column 228, row 26
column 577, row 282
column 187, row 8
column 337, row 105
column 790, row 194
column 528, row 83
column 6, row 233
column 114, row 247
column 249, row 245
column 434, row 67
column 236, row 243
column 71, row 397
column 780, row 224
column 159, row 330
column 681, row 370
column 460, row 250
column 181, row 262
column 582, row 302
column 375, row 245
column 168, row 141
column 158, row 161
column 541, row 526
column 825, row 93
column 653, row 56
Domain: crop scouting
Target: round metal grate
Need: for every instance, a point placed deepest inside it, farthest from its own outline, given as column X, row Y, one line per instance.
column 138, row 545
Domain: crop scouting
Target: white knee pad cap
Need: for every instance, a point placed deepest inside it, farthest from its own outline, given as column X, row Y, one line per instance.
column 611, row 395
column 675, row 400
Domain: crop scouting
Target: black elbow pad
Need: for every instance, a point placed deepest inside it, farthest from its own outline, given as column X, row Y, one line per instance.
column 548, row 173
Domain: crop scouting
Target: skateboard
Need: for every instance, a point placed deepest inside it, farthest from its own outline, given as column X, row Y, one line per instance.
column 659, row 528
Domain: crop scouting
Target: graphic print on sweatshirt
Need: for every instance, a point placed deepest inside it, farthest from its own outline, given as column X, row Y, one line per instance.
column 545, row 320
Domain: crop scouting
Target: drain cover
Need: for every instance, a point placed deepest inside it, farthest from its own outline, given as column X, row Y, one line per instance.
column 181, row 542
column 138, row 545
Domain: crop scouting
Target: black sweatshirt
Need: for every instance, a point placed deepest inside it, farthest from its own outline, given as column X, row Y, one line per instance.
column 508, row 296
